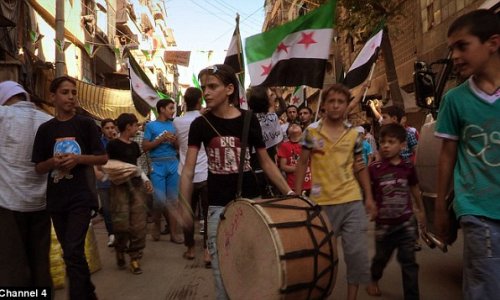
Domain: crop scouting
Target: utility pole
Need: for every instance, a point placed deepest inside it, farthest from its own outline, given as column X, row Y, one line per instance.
column 60, row 59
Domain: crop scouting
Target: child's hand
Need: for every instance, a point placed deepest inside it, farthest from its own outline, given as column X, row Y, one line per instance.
column 69, row 161
column 148, row 186
column 422, row 221
column 371, row 209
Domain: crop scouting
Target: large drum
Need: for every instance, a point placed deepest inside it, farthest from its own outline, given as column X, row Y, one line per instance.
column 280, row 248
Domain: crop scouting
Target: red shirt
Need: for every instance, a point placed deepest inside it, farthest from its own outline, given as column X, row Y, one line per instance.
column 291, row 152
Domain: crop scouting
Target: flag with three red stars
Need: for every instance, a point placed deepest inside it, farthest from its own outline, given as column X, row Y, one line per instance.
column 294, row 53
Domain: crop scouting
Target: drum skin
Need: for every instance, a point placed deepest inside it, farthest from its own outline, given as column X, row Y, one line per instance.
column 280, row 248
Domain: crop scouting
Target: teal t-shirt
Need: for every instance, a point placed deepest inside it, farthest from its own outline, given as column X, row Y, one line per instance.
column 152, row 131
column 472, row 118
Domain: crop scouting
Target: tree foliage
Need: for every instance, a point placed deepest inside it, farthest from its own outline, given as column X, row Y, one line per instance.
column 361, row 18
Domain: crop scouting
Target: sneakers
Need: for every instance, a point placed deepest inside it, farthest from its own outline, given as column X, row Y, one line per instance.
column 135, row 268
column 111, row 240
column 120, row 259
column 202, row 226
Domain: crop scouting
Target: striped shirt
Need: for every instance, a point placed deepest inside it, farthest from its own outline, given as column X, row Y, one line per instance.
column 21, row 188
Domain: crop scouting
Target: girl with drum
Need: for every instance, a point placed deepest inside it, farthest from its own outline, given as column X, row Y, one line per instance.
column 220, row 131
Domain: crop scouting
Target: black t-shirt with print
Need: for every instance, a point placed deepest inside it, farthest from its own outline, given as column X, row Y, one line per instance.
column 126, row 152
column 78, row 135
column 223, row 154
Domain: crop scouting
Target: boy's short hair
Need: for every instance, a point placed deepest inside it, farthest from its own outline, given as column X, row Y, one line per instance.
column 163, row 103
column 257, row 98
column 393, row 130
column 482, row 23
column 125, row 119
column 394, row 111
column 192, row 97
column 54, row 85
column 337, row 88
column 106, row 121
column 291, row 106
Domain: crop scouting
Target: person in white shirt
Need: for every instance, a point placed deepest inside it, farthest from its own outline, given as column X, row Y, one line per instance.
column 192, row 99
column 24, row 220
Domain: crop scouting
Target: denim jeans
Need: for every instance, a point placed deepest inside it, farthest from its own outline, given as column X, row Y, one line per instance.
column 481, row 269
column 106, row 214
column 402, row 237
column 214, row 213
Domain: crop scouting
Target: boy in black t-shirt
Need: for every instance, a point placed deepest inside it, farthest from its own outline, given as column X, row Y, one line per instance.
column 220, row 131
column 128, row 200
column 66, row 148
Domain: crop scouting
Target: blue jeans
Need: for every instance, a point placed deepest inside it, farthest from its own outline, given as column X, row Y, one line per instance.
column 481, row 270
column 402, row 237
column 106, row 214
column 214, row 213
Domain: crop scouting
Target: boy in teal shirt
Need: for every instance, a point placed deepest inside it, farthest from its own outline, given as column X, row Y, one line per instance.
column 469, row 124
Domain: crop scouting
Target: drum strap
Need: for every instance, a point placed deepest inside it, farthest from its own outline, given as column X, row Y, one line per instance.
column 244, row 143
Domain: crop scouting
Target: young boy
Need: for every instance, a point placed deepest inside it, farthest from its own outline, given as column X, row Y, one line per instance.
column 394, row 115
column 334, row 148
column 128, row 200
column 66, row 147
column 393, row 180
column 469, row 124
column 288, row 155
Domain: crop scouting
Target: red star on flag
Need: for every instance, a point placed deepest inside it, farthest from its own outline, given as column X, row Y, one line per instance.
column 307, row 39
column 295, row 99
column 138, row 85
column 266, row 69
column 282, row 47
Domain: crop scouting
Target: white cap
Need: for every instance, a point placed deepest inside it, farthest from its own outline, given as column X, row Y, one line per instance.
column 8, row 89
column 360, row 129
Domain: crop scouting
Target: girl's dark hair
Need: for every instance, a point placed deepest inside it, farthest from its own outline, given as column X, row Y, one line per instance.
column 106, row 121
column 125, row 119
column 393, row 130
column 258, row 101
column 227, row 75
column 482, row 23
column 54, row 85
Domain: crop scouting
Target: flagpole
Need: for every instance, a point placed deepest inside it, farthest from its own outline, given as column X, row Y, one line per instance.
column 369, row 81
column 319, row 105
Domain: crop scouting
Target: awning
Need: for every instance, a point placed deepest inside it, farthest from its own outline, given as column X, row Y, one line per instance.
column 102, row 102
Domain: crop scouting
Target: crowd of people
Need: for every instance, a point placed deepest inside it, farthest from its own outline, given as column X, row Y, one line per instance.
column 176, row 166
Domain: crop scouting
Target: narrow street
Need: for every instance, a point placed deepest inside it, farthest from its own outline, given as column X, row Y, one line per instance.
column 168, row 276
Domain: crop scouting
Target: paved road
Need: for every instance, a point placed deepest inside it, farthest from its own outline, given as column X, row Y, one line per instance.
column 168, row 276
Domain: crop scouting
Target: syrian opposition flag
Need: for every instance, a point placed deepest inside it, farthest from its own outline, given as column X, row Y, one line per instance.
column 294, row 53
column 298, row 96
column 140, row 85
column 234, row 55
column 234, row 58
column 360, row 68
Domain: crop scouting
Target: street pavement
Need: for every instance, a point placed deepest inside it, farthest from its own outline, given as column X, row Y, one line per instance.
column 168, row 276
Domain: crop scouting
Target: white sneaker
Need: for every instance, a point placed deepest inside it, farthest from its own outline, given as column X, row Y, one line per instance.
column 111, row 240
column 202, row 226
